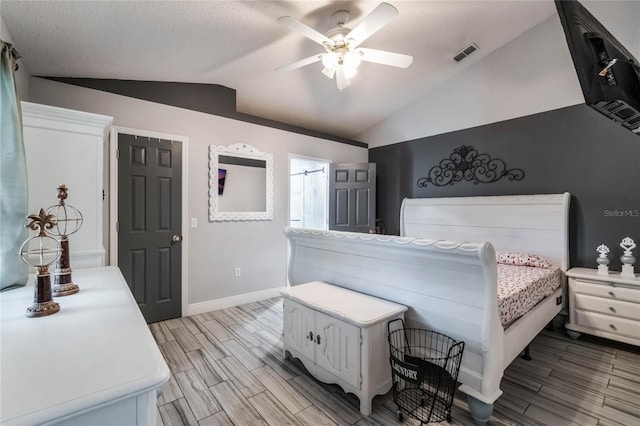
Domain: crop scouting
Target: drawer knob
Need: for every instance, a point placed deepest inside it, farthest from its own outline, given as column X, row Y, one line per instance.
column 612, row 309
column 613, row 327
column 310, row 337
column 317, row 338
column 612, row 294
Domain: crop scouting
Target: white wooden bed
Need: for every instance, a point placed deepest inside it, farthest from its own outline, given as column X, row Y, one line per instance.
column 443, row 267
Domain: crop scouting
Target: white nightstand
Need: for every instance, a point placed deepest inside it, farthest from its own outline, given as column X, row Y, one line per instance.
column 604, row 305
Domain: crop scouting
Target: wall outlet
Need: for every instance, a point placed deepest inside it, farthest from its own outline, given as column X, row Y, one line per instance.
column 238, row 271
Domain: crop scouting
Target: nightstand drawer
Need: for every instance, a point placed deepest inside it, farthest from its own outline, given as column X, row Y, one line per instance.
column 608, row 306
column 608, row 323
column 605, row 290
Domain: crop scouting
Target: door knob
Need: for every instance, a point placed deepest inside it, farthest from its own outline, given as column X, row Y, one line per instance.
column 176, row 238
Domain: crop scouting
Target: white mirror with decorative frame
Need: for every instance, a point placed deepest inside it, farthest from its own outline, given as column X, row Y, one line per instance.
column 240, row 183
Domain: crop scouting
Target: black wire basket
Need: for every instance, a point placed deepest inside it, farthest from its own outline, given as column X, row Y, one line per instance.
column 424, row 368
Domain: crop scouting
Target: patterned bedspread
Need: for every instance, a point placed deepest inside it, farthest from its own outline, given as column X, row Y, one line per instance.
column 520, row 288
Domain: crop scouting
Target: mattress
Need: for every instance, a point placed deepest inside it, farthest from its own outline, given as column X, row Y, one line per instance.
column 520, row 288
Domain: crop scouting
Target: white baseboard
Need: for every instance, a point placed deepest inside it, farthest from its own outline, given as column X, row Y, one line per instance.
column 227, row 302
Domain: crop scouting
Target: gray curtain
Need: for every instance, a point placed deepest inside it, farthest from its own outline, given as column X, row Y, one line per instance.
column 13, row 176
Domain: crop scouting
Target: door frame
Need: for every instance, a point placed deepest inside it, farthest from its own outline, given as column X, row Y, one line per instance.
column 113, row 199
column 304, row 157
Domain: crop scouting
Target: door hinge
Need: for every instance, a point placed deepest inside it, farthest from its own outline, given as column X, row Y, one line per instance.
column 361, row 380
column 117, row 153
column 117, row 226
column 361, row 340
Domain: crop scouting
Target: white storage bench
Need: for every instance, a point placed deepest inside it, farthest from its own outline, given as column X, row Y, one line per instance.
column 341, row 337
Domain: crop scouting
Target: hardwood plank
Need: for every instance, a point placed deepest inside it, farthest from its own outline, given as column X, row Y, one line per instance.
column 212, row 345
column 611, row 414
column 166, row 332
column 625, row 384
column 592, row 395
column 625, row 374
column 281, row 389
column 224, row 317
column 217, row 329
column 239, row 410
column 202, row 402
column 631, row 409
column 186, row 339
column 551, row 419
column 218, row 419
column 579, row 379
column 594, row 353
column 195, row 327
column 556, row 408
column 242, row 335
column 270, row 340
column 505, row 415
column 174, row 355
column 157, row 332
column 313, row 416
column 248, row 359
column 339, row 411
column 271, row 410
column 170, row 392
column 202, row 317
column 241, row 377
column 276, row 362
column 174, row 323
column 207, row 367
column 245, row 319
column 177, row 413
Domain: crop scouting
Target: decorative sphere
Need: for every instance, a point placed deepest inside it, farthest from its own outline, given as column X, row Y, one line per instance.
column 628, row 259
column 602, row 260
column 68, row 219
column 40, row 251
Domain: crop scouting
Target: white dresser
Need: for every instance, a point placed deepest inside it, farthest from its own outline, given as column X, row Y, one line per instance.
column 93, row 363
column 341, row 337
column 604, row 305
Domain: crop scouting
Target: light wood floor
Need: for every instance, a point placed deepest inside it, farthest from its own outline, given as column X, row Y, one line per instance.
column 227, row 368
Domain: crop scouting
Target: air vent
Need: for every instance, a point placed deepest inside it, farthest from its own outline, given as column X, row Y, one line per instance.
column 465, row 52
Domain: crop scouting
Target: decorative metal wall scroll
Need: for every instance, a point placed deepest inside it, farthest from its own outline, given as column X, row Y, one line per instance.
column 466, row 164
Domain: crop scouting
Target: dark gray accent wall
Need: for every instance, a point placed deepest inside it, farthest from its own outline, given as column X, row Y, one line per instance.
column 573, row 149
column 207, row 98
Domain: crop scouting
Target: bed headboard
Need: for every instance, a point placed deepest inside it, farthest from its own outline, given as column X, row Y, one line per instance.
column 536, row 224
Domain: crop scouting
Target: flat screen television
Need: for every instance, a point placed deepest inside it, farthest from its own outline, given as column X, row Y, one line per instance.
column 609, row 75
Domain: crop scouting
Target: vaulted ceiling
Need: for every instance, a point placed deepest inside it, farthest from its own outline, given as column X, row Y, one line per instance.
column 239, row 44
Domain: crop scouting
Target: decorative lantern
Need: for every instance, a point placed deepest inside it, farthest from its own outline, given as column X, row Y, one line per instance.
column 43, row 250
column 68, row 221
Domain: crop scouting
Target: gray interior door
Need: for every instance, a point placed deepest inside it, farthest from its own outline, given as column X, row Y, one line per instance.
column 149, row 223
column 352, row 197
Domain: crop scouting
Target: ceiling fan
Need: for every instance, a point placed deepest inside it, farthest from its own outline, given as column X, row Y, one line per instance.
column 343, row 55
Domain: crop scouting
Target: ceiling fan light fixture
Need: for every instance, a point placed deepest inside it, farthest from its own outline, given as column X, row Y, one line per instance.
column 349, row 72
column 330, row 59
column 352, row 59
column 329, row 72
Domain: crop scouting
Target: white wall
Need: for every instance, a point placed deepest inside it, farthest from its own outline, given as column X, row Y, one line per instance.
column 533, row 73
column 215, row 249
column 21, row 76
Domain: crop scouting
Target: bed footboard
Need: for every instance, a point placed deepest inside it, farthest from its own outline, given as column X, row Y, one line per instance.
column 450, row 287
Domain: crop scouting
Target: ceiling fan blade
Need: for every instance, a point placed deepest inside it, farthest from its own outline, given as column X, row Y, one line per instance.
column 306, row 31
column 301, row 63
column 378, row 18
column 386, row 58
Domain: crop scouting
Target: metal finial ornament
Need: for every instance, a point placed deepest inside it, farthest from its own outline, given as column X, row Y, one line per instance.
column 68, row 221
column 627, row 258
column 46, row 252
column 603, row 260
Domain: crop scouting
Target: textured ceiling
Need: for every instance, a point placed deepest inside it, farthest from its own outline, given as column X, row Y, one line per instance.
column 239, row 44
